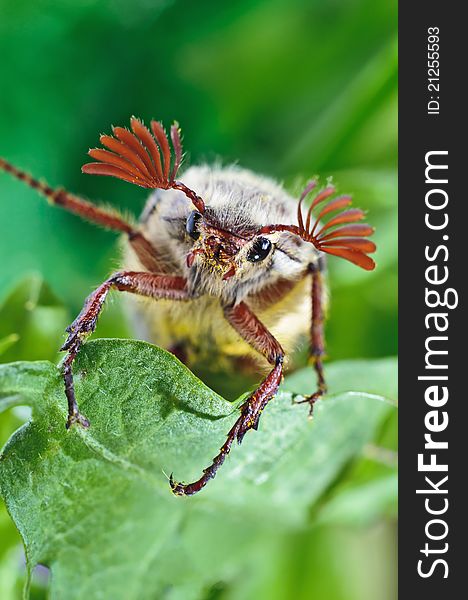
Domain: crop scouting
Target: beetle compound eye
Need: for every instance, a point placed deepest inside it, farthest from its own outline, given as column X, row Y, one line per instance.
column 191, row 225
column 260, row 250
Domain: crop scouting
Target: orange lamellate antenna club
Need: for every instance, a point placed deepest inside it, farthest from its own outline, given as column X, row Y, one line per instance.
column 341, row 235
column 142, row 157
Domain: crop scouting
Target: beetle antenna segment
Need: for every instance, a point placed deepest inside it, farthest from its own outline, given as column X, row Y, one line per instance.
column 341, row 235
column 142, row 157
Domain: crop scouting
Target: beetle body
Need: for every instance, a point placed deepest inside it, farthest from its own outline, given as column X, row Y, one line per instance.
column 224, row 271
column 275, row 289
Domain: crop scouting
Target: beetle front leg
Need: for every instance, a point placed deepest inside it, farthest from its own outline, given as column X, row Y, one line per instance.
column 141, row 283
column 257, row 335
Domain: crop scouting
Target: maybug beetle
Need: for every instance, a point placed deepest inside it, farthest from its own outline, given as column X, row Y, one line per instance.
column 237, row 261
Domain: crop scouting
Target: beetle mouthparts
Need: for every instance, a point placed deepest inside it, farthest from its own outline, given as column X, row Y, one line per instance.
column 229, row 273
column 192, row 255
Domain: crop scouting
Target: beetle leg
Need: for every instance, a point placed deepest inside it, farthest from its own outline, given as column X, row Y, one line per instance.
column 107, row 218
column 317, row 337
column 143, row 284
column 257, row 335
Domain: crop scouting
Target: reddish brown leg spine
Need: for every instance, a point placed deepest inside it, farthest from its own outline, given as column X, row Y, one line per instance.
column 257, row 335
column 86, row 210
column 143, row 284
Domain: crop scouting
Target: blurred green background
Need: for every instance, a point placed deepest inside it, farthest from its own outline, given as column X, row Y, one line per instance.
column 289, row 88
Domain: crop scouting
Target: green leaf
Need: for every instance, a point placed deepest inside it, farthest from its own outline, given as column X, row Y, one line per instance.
column 95, row 505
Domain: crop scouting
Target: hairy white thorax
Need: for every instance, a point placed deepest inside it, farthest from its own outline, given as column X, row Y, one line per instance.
column 238, row 201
